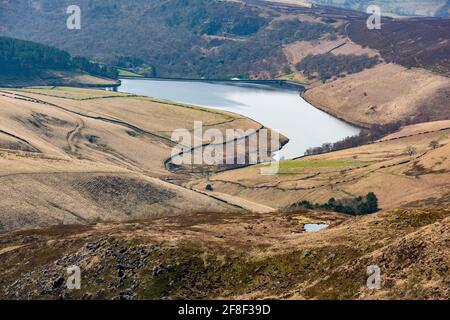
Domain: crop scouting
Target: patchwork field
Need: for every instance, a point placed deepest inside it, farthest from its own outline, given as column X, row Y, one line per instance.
column 84, row 182
column 79, row 155
column 89, row 178
column 409, row 168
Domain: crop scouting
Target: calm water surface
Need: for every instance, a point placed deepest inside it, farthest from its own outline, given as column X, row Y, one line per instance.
column 314, row 227
column 277, row 108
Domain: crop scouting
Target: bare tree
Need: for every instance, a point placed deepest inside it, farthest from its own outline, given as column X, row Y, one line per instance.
column 410, row 150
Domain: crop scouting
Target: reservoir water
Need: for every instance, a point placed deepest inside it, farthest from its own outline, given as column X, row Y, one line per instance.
column 275, row 107
column 314, row 227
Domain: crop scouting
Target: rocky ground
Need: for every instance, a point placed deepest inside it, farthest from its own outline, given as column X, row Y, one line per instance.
column 234, row 256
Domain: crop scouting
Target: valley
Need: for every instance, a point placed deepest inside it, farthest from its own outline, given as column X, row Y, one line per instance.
column 274, row 106
column 84, row 182
column 386, row 167
column 90, row 130
column 80, row 149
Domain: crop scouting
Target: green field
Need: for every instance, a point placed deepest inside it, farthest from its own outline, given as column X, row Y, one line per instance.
column 127, row 73
column 292, row 166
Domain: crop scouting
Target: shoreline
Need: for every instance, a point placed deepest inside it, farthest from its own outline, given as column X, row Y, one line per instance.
column 359, row 125
column 276, row 82
column 288, row 84
column 279, row 84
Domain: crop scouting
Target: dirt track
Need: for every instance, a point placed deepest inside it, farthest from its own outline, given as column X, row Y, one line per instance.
column 72, row 143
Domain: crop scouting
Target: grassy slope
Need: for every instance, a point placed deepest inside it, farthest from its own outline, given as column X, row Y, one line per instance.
column 384, row 94
column 127, row 73
column 385, row 168
column 205, row 255
column 83, row 151
column 273, row 50
column 56, row 78
column 234, row 256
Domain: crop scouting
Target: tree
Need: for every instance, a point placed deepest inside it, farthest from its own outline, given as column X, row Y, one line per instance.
column 329, row 65
column 410, row 150
column 356, row 206
column 434, row 144
column 372, row 202
column 21, row 57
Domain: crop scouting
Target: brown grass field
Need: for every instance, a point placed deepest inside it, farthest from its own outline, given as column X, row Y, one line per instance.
column 234, row 256
column 83, row 182
column 79, row 155
column 398, row 178
column 87, row 178
column 384, row 94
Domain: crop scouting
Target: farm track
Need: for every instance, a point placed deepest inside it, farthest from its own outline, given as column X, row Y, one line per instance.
column 376, row 167
column 169, row 160
column 74, row 134
column 98, row 118
column 138, row 130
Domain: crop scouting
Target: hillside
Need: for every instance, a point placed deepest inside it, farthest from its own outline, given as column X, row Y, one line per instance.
column 410, row 82
column 384, row 94
column 28, row 63
column 431, row 8
column 79, row 155
column 420, row 43
column 210, row 256
column 207, row 38
column 211, row 39
column 90, row 177
column 403, row 170
column 86, row 184
column 347, row 67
